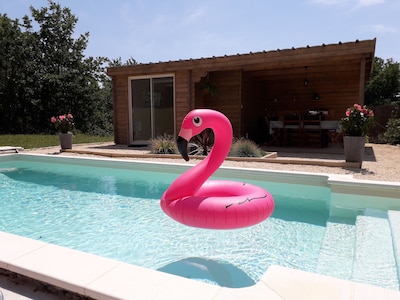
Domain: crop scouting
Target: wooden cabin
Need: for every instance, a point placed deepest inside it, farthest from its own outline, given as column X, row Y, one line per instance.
column 152, row 99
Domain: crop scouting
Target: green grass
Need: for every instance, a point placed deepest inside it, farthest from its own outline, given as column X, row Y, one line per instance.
column 29, row 141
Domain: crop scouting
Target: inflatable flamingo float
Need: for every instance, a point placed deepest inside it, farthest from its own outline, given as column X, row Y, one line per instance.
column 214, row 204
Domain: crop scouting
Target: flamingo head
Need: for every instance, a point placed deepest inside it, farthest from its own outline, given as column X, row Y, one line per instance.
column 198, row 120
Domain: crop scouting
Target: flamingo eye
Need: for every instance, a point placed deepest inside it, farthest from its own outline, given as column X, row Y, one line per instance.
column 197, row 121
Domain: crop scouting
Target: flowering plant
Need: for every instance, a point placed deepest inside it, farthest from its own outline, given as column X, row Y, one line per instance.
column 359, row 119
column 64, row 123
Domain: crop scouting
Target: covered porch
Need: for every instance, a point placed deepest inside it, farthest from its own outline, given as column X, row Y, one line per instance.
column 284, row 97
column 295, row 97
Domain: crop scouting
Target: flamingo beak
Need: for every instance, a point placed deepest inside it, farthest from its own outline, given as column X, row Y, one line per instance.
column 182, row 147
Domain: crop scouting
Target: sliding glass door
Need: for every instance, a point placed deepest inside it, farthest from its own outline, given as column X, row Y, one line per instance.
column 152, row 101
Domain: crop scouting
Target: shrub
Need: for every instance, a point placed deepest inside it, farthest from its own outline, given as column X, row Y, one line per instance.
column 164, row 144
column 245, row 148
column 202, row 143
column 196, row 149
column 392, row 134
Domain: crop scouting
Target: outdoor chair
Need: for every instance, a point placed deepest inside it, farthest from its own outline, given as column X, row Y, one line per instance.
column 292, row 130
column 312, row 130
column 335, row 136
column 274, row 131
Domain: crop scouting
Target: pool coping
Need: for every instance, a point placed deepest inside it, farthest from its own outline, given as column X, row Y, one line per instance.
column 103, row 278
column 269, row 158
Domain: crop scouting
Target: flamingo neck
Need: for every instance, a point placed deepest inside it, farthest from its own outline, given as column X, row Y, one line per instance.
column 190, row 181
column 222, row 129
column 216, row 156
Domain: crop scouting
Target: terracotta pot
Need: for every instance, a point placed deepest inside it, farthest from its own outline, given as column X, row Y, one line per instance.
column 354, row 148
column 66, row 140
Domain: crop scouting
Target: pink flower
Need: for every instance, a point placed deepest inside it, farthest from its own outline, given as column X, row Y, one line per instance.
column 63, row 123
column 358, row 120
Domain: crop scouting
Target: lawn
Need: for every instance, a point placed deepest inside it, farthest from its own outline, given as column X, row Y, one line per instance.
column 29, row 141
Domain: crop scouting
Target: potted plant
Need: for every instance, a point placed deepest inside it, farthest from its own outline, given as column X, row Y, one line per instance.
column 355, row 125
column 209, row 89
column 64, row 124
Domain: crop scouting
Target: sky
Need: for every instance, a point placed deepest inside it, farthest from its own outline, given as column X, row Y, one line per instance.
column 167, row 30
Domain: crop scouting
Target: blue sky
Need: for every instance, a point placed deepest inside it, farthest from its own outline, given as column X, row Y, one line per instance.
column 163, row 30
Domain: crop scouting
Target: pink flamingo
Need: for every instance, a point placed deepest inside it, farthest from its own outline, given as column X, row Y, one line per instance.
column 215, row 204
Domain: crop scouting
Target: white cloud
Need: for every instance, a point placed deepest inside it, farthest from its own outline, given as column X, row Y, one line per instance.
column 329, row 2
column 380, row 28
column 195, row 16
column 357, row 3
column 369, row 2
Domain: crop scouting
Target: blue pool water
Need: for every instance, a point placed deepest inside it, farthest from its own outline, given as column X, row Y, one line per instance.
column 115, row 213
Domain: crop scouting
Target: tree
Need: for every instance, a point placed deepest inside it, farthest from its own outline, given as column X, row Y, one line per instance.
column 384, row 86
column 69, row 81
column 45, row 73
column 117, row 62
column 17, row 73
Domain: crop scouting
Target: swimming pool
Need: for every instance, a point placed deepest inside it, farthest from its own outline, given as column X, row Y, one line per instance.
column 108, row 209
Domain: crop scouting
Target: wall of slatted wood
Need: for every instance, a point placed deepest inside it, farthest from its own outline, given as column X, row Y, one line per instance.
column 333, row 91
column 183, row 100
column 253, row 107
column 227, row 98
column 121, row 110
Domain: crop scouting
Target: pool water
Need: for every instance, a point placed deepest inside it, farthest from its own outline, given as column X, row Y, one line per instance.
column 115, row 213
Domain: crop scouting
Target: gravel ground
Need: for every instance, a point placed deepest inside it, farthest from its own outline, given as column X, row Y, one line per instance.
column 381, row 162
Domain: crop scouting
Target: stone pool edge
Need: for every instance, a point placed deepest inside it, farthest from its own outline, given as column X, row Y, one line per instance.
column 102, row 278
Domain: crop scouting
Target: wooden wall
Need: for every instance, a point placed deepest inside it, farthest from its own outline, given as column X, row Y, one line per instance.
column 336, row 91
column 227, row 98
column 121, row 110
column 186, row 90
column 183, row 92
column 253, row 107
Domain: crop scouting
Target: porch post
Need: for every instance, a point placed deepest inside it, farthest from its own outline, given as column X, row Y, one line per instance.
column 191, row 91
column 362, row 82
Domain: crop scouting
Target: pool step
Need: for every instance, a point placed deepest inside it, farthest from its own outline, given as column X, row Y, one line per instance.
column 337, row 249
column 374, row 246
column 394, row 222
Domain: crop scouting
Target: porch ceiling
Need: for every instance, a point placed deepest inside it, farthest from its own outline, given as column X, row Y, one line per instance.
column 307, row 69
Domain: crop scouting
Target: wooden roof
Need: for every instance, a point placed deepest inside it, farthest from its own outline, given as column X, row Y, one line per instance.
column 268, row 64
